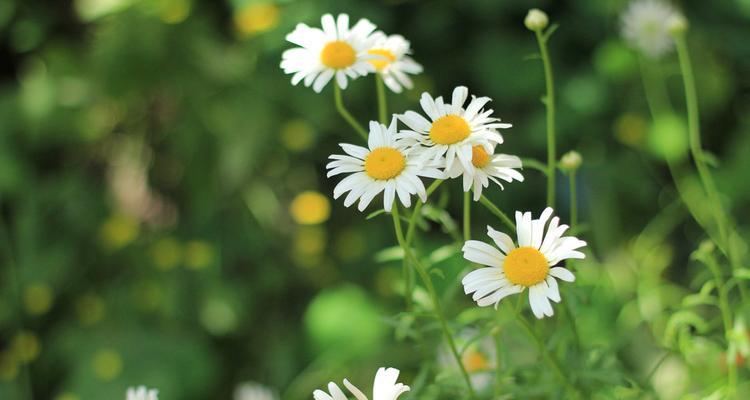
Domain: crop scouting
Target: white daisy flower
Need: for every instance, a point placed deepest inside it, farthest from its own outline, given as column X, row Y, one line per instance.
column 645, row 26
column 336, row 50
column 394, row 63
column 452, row 130
column 530, row 265
column 141, row 393
column 385, row 387
column 487, row 167
column 253, row 391
column 387, row 166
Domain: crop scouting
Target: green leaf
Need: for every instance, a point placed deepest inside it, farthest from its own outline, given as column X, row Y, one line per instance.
column 375, row 214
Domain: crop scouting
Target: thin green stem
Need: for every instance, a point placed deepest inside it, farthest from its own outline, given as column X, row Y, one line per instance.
column 493, row 209
column 573, row 201
column 435, row 298
column 382, row 105
column 657, row 97
column 726, row 317
column 549, row 102
column 467, row 215
column 345, row 114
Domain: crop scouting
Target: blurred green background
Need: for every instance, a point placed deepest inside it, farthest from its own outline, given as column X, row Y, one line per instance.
column 152, row 157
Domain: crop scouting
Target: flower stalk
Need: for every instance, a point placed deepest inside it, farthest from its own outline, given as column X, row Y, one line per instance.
column 549, row 102
column 382, row 101
column 345, row 113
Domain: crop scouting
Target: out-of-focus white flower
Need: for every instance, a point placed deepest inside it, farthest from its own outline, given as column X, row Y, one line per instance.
column 253, row 391
column 531, row 264
column 452, row 130
column 141, row 393
column 571, row 161
column 394, row 62
column 487, row 167
column 334, row 51
column 385, row 387
column 536, row 19
column 645, row 26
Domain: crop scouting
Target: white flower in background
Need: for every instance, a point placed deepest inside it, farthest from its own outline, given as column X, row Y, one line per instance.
column 336, row 50
column 478, row 356
column 387, row 166
column 487, row 167
column 452, row 130
column 385, row 387
column 141, row 393
column 394, row 63
column 645, row 24
column 253, row 391
column 531, row 264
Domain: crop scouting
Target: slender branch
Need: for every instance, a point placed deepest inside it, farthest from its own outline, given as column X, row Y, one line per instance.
column 573, row 201
column 345, row 114
column 435, row 298
column 493, row 209
column 382, row 105
column 467, row 215
column 726, row 317
column 549, row 102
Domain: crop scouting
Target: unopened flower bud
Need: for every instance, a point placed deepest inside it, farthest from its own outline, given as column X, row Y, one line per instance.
column 677, row 24
column 536, row 20
column 571, row 161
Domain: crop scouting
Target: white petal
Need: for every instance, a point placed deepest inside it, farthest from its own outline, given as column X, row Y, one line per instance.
column 562, row 273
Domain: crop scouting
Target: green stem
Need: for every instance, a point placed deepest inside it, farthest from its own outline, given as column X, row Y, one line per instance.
column 493, row 209
column 573, row 201
column 410, row 230
column 726, row 317
column 467, row 215
column 433, row 294
column 553, row 364
column 382, row 105
column 345, row 114
column 549, row 102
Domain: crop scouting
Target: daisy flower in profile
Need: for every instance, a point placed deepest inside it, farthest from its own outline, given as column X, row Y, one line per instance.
column 253, row 391
column 531, row 264
column 141, row 393
column 385, row 387
column 452, row 130
column 336, row 50
column 487, row 167
column 645, row 26
column 394, row 62
column 387, row 166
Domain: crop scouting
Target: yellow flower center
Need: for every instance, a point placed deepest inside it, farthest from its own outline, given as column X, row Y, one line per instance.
column 449, row 129
column 479, row 156
column 386, row 58
column 338, row 54
column 384, row 163
column 525, row 266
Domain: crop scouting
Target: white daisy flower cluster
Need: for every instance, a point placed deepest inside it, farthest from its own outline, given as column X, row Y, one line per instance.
column 343, row 52
column 385, row 387
column 646, row 26
column 455, row 141
column 141, row 393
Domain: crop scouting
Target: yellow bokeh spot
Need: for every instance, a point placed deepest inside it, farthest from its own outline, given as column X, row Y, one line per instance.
column 338, row 54
column 310, row 208
column 449, row 129
column 198, row 254
column 384, row 163
column 525, row 266
column 175, row 11
column 90, row 309
column 166, row 253
column 386, row 57
column 630, row 129
column 256, row 18
column 297, row 135
column 67, row 396
column 8, row 366
column 26, row 347
column 107, row 364
column 119, row 230
column 37, row 298
column 479, row 156
column 475, row 361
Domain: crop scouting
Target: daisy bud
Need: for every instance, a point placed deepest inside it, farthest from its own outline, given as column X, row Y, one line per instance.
column 536, row 20
column 677, row 24
column 571, row 161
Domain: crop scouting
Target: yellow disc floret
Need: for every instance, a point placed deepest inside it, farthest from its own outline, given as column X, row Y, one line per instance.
column 384, row 163
column 386, row 57
column 338, row 54
column 525, row 266
column 449, row 129
column 479, row 156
